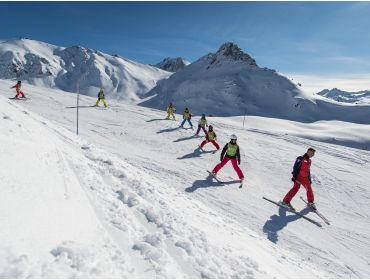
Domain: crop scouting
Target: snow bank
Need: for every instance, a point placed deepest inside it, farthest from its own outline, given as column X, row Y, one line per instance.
column 49, row 228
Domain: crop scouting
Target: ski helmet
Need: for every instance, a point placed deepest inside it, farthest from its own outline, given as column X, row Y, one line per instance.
column 210, row 127
column 203, row 116
column 233, row 137
column 19, row 82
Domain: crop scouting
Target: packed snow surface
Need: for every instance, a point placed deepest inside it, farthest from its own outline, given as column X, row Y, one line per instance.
column 130, row 196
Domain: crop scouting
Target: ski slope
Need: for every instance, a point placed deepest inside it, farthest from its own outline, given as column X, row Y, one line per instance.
column 130, row 196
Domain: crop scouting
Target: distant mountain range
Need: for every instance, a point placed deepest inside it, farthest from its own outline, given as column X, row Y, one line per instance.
column 359, row 97
column 228, row 82
column 47, row 65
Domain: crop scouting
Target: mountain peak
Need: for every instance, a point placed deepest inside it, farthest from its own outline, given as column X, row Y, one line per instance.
column 172, row 64
column 234, row 52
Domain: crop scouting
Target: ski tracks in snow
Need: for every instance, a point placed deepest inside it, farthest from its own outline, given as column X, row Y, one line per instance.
column 148, row 221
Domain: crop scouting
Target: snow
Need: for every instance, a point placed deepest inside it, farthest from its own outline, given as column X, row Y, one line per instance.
column 43, row 64
column 130, row 197
column 230, row 83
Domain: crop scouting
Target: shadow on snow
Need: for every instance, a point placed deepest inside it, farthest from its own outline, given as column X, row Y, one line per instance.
column 168, row 130
column 155, row 120
column 196, row 153
column 186, row 138
column 208, row 183
column 277, row 222
column 74, row 107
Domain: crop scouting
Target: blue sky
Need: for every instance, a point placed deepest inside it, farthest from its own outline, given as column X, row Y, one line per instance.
column 299, row 38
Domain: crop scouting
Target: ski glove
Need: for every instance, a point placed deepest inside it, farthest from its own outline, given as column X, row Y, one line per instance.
column 293, row 179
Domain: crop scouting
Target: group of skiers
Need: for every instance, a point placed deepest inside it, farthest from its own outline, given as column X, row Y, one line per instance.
column 231, row 152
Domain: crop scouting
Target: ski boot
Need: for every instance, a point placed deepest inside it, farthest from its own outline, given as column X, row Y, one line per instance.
column 312, row 206
column 287, row 205
column 241, row 183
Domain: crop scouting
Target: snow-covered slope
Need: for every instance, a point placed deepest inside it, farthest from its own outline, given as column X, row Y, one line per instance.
column 229, row 83
column 172, row 64
column 63, row 68
column 360, row 97
column 130, row 196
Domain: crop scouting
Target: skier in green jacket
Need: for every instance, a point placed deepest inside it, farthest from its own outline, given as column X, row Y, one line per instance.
column 171, row 111
column 202, row 125
column 101, row 96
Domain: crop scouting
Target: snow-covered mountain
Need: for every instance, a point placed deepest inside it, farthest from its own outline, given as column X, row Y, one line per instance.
column 47, row 65
column 230, row 83
column 172, row 64
column 359, row 97
column 130, row 196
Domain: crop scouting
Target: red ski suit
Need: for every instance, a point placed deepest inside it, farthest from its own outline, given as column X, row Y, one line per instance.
column 18, row 89
column 235, row 160
column 303, row 165
column 210, row 137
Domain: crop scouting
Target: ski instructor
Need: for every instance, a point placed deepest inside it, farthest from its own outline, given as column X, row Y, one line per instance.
column 301, row 176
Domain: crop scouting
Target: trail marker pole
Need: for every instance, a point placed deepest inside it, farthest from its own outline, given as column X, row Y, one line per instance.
column 244, row 117
column 78, row 101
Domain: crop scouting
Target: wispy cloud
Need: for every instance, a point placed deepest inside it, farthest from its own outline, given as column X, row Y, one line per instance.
column 350, row 59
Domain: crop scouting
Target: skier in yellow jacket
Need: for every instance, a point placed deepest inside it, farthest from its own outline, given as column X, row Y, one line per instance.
column 171, row 111
column 101, row 96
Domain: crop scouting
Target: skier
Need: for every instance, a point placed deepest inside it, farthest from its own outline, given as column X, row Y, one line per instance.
column 187, row 117
column 301, row 176
column 18, row 89
column 170, row 111
column 202, row 124
column 101, row 96
column 230, row 152
column 210, row 137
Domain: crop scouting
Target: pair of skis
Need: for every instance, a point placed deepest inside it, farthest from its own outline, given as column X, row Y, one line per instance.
column 222, row 182
column 19, row 98
column 316, row 212
column 301, row 215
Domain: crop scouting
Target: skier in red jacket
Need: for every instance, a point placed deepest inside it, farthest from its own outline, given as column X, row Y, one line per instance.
column 18, row 89
column 301, row 176
column 210, row 137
